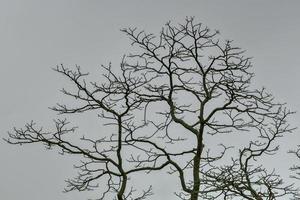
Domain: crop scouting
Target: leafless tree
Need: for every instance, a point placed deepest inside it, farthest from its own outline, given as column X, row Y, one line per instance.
column 175, row 90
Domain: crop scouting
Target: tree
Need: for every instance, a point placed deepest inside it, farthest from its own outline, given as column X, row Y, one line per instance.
column 175, row 91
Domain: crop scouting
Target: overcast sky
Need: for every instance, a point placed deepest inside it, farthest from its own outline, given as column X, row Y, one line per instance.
column 37, row 35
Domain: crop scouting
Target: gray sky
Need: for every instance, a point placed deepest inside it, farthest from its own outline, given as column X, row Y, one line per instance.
column 38, row 35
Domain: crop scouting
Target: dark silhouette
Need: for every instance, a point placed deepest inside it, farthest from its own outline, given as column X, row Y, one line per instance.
column 177, row 89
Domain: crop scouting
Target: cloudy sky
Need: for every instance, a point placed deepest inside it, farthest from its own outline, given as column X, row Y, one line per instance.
column 37, row 35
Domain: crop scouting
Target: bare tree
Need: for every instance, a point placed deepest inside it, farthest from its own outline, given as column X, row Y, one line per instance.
column 177, row 89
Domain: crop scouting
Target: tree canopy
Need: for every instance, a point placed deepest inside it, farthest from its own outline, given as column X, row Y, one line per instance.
column 174, row 92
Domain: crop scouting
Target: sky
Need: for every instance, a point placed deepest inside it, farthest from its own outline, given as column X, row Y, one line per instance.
column 37, row 35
